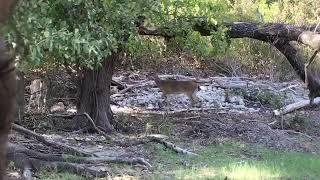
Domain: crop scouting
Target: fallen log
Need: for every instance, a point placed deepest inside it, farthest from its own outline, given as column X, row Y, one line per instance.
column 295, row 106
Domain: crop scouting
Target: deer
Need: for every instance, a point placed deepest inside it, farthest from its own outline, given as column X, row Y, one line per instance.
column 170, row 87
column 8, row 87
column 38, row 90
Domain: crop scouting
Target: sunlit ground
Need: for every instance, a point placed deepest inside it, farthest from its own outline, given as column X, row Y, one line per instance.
column 221, row 161
column 236, row 161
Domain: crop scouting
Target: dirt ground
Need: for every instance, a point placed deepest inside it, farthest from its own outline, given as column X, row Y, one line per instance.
column 298, row 131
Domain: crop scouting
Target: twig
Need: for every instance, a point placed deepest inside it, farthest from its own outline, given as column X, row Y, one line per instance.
column 192, row 117
column 290, row 88
column 296, row 132
column 121, row 86
column 132, row 87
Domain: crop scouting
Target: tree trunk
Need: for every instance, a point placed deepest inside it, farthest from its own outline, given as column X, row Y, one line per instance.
column 7, row 101
column 95, row 94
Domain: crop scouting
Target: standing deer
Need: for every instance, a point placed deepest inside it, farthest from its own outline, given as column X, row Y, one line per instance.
column 7, row 88
column 170, row 86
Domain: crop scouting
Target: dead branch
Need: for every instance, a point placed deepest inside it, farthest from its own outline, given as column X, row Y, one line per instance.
column 289, row 87
column 295, row 106
column 63, row 147
column 132, row 87
column 299, row 133
column 172, row 146
column 116, row 83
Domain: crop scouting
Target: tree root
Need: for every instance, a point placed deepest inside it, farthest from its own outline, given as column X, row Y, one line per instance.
column 28, row 160
column 83, row 163
column 63, row 147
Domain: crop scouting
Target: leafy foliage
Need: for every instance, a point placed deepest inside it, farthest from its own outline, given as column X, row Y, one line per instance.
column 75, row 31
column 86, row 32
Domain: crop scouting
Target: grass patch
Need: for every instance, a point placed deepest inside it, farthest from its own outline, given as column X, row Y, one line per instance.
column 49, row 175
column 235, row 161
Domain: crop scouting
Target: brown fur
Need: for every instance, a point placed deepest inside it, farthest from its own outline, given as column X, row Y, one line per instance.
column 7, row 88
column 170, row 86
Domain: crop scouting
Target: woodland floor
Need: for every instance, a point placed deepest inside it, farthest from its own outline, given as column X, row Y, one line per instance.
column 192, row 130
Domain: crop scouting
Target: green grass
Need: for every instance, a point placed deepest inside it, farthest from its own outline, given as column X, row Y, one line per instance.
column 49, row 175
column 235, row 161
column 232, row 160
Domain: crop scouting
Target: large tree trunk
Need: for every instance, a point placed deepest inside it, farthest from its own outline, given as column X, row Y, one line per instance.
column 95, row 94
column 7, row 101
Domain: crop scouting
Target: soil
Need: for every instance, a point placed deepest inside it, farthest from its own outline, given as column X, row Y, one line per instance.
column 202, row 127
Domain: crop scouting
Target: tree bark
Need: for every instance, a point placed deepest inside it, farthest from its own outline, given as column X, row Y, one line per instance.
column 95, row 94
column 7, row 101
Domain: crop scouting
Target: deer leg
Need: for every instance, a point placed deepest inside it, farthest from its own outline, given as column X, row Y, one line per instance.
column 30, row 102
column 194, row 98
column 38, row 96
column 306, row 82
column 166, row 102
column 311, row 103
column 192, row 102
column 44, row 102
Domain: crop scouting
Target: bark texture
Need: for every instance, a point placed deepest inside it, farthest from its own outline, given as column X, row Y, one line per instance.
column 95, row 94
column 7, row 102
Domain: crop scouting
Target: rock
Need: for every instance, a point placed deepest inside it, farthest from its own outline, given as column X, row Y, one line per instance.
column 59, row 107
